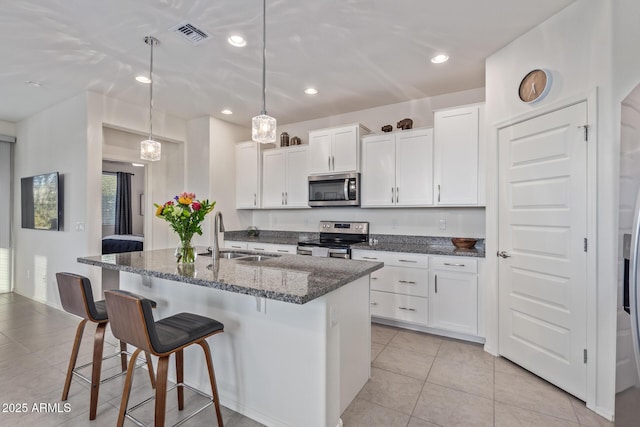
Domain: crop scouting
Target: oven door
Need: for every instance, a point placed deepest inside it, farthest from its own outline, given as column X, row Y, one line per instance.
column 334, row 190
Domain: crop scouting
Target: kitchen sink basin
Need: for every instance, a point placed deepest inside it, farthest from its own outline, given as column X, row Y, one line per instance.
column 231, row 255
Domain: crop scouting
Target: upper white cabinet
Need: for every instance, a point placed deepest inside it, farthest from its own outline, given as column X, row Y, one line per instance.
column 284, row 178
column 457, row 175
column 248, row 175
column 335, row 150
column 397, row 169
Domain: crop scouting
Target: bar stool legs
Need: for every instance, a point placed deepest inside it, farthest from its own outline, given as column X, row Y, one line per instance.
column 161, row 385
column 96, row 368
column 212, row 379
column 73, row 359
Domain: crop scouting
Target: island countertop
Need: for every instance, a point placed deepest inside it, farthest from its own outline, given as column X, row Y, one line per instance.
column 290, row 278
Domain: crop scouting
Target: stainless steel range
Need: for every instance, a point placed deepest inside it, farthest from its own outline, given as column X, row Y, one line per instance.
column 336, row 239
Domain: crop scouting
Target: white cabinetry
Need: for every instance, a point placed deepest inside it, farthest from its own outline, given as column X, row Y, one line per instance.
column 453, row 294
column 397, row 169
column 230, row 244
column 271, row 247
column 248, row 163
column 399, row 291
column 335, row 150
column 284, row 179
column 432, row 293
column 457, row 172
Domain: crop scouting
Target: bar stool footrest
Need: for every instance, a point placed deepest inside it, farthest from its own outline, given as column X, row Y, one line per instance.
column 143, row 362
column 173, row 387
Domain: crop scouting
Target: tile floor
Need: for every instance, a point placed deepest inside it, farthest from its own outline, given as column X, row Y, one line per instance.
column 416, row 380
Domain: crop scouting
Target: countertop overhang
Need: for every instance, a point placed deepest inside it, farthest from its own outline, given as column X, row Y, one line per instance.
column 289, row 278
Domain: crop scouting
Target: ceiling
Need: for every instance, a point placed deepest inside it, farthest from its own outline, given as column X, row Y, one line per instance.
column 357, row 53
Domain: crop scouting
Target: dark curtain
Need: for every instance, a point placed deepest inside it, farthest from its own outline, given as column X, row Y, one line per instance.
column 123, row 204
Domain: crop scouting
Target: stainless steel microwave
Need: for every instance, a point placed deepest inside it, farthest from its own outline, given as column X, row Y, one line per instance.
column 335, row 190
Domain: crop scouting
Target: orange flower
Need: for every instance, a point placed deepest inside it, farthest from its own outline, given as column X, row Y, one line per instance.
column 184, row 200
column 159, row 210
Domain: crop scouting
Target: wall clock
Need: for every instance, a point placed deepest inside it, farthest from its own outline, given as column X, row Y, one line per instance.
column 535, row 86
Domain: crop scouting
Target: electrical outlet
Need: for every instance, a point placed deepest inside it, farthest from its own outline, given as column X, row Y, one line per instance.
column 443, row 224
column 333, row 315
column 28, row 274
column 79, row 226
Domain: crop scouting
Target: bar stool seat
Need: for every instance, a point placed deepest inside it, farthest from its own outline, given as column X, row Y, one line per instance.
column 76, row 297
column 132, row 322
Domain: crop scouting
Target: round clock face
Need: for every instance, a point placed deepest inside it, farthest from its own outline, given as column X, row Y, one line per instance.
column 534, row 86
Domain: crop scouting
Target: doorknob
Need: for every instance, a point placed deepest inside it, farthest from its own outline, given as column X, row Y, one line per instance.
column 503, row 254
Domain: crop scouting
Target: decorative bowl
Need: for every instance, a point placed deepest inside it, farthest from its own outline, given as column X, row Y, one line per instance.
column 463, row 242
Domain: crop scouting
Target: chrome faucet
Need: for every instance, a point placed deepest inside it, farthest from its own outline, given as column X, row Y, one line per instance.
column 218, row 227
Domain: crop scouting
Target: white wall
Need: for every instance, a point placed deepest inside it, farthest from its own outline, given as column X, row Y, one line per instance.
column 52, row 140
column 575, row 45
column 418, row 110
column 7, row 128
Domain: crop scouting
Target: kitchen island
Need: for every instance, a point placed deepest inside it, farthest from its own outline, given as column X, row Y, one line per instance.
column 296, row 346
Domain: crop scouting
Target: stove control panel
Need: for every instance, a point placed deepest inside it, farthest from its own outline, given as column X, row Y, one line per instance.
column 344, row 227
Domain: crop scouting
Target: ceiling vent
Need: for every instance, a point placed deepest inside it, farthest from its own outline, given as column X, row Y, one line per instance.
column 190, row 33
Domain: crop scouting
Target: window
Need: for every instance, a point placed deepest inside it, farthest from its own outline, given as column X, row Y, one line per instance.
column 109, row 185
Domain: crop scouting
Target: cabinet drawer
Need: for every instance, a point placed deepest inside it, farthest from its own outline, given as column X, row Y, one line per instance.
column 399, row 259
column 402, row 280
column 270, row 247
column 230, row 244
column 467, row 265
column 400, row 307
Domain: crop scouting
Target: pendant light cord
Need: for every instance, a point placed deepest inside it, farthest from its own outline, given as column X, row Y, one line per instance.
column 264, row 57
column 151, row 41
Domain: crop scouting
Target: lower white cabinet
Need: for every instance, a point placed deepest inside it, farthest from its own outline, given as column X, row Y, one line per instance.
column 231, row 244
column 271, row 247
column 394, row 306
column 433, row 291
column 453, row 295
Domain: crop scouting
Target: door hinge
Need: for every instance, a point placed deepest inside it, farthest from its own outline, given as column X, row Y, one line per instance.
column 585, row 355
column 585, row 244
column 586, row 131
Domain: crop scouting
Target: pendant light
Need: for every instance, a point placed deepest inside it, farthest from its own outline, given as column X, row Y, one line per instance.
column 150, row 149
column 263, row 127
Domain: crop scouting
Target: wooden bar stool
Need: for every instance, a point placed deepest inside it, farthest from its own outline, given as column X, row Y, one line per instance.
column 76, row 297
column 132, row 322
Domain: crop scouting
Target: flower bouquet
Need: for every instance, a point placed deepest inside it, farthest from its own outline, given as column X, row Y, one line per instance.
column 185, row 214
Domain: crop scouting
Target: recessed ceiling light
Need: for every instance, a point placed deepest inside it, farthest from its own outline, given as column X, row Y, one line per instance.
column 439, row 59
column 311, row 91
column 226, row 111
column 143, row 79
column 137, row 164
column 237, row 41
column 32, row 83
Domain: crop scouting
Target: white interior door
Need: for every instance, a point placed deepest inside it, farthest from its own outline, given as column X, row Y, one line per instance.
column 543, row 223
column 5, row 216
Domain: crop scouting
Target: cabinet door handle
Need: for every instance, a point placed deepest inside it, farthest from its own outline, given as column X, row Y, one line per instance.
column 286, row 197
column 436, row 282
column 407, row 308
column 283, row 250
column 438, row 192
column 329, row 162
column 407, row 282
column 374, row 303
column 408, row 260
column 255, row 199
column 374, row 278
column 453, row 264
column 333, row 163
column 258, row 249
column 397, row 194
column 369, row 257
column 282, row 202
column 392, row 194
column 236, row 247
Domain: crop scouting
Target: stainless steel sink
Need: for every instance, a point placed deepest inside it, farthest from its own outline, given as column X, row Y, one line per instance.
column 225, row 255
column 254, row 258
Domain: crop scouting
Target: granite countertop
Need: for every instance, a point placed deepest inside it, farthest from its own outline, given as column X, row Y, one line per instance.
column 429, row 249
column 429, row 245
column 290, row 278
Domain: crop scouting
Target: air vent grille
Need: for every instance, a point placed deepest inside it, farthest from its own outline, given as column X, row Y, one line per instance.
column 190, row 33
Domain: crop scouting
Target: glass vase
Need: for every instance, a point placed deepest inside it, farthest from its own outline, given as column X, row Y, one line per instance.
column 186, row 253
